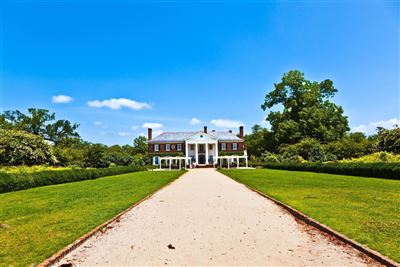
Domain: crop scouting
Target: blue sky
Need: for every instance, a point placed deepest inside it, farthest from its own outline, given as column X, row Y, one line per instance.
column 168, row 62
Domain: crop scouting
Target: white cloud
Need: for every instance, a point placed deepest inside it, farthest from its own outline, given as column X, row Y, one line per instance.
column 221, row 123
column 194, row 121
column 135, row 127
column 97, row 123
column 124, row 134
column 370, row 128
column 119, row 103
column 153, row 125
column 61, row 99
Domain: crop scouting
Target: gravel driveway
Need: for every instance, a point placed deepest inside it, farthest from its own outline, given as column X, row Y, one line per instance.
column 205, row 218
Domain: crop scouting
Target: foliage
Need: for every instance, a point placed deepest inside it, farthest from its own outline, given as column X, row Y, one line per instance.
column 308, row 149
column 94, row 156
column 229, row 153
column 22, row 148
column 30, row 169
column 270, row 157
column 37, row 122
column 376, row 158
column 389, row 140
column 353, row 145
column 140, row 145
column 259, row 141
column 379, row 170
column 24, row 180
column 43, row 220
column 366, row 210
column 307, row 112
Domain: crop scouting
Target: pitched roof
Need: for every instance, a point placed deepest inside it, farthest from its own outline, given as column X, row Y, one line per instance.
column 182, row 136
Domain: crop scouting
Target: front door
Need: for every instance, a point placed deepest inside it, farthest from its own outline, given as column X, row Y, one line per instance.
column 202, row 159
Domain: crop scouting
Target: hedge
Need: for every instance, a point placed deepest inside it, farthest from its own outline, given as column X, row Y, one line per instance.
column 379, row 170
column 24, row 180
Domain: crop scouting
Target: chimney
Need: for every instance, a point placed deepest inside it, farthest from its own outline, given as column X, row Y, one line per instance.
column 149, row 134
column 241, row 134
column 205, row 129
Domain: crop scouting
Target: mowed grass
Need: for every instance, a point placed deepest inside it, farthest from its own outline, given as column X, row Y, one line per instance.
column 38, row 222
column 364, row 209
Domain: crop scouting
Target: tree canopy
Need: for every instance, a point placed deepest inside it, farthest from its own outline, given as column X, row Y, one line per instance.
column 38, row 122
column 307, row 112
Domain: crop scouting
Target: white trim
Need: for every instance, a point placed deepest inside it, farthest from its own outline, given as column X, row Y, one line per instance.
column 234, row 146
column 223, row 146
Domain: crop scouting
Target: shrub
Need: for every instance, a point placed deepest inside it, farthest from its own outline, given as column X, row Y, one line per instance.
column 379, row 170
column 24, row 180
column 22, row 148
column 376, row 158
column 309, row 149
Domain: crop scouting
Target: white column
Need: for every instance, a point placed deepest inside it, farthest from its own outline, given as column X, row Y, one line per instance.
column 237, row 162
column 186, row 153
column 206, row 153
column 246, row 162
column 170, row 161
column 196, row 154
column 160, row 162
column 228, row 159
column 179, row 163
column 216, row 151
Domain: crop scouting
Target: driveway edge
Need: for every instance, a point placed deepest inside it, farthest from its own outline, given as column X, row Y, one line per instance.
column 326, row 229
column 61, row 253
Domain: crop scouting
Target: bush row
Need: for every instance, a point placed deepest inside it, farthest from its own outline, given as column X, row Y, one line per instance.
column 24, row 180
column 379, row 170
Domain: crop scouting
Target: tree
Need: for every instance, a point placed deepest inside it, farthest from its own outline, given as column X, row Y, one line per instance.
column 38, row 122
column 389, row 140
column 94, row 157
column 309, row 149
column 259, row 141
column 307, row 112
column 22, row 148
column 140, row 145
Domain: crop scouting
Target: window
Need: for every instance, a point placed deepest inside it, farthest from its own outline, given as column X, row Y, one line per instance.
column 191, row 147
column 167, row 147
column 201, row 147
column 234, row 146
column 156, row 147
column 210, row 147
column 179, row 147
column 223, row 146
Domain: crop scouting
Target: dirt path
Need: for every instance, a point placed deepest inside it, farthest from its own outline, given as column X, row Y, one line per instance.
column 210, row 219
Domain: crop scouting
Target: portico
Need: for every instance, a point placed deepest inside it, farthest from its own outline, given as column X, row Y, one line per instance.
column 202, row 148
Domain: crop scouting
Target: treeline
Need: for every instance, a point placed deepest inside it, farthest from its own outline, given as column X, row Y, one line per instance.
column 36, row 138
column 309, row 127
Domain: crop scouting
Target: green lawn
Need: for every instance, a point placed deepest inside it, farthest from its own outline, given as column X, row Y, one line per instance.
column 364, row 209
column 41, row 221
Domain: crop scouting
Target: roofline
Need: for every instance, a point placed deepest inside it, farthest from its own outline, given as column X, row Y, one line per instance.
column 183, row 141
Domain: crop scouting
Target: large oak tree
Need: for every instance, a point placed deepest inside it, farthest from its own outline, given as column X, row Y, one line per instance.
column 307, row 111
